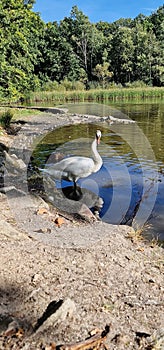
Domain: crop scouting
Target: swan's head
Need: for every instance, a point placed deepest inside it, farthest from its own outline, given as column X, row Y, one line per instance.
column 98, row 136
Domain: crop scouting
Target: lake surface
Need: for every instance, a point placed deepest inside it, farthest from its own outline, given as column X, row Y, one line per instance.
column 131, row 180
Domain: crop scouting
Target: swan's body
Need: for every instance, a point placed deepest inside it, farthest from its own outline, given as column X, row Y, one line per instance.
column 75, row 167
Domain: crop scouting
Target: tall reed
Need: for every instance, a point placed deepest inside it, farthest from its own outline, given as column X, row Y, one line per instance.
column 97, row 95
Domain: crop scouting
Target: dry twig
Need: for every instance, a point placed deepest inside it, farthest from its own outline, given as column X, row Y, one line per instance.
column 94, row 342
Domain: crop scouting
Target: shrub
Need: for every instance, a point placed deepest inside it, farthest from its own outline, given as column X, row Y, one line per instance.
column 78, row 86
column 136, row 84
column 72, row 85
column 50, row 86
column 93, row 85
column 5, row 118
column 66, row 84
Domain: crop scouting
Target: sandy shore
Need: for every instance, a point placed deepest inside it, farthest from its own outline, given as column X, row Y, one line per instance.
column 102, row 274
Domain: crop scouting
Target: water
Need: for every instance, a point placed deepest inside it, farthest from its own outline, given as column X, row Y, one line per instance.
column 131, row 180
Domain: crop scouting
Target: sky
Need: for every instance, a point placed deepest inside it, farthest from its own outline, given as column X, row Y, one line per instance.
column 96, row 10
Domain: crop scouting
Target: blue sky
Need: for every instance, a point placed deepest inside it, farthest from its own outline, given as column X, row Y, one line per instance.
column 97, row 10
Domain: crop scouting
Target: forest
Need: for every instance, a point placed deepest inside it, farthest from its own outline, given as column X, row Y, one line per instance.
column 75, row 53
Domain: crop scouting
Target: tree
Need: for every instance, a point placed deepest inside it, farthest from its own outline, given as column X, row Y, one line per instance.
column 20, row 31
column 29, row 3
column 122, row 49
column 102, row 72
column 32, row 52
column 48, row 66
column 147, row 54
column 157, row 20
column 87, row 40
column 81, row 34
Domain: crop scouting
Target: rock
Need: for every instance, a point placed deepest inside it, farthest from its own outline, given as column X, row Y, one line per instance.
column 12, row 161
column 5, row 320
column 55, row 313
column 156, row 341
column 12, row 190
column 3, row 147
column 12, row 328
column 29, row 201
column 86, row 213
column 56, row 110
column 9, row 231
column 119, row 120
column 61, row 199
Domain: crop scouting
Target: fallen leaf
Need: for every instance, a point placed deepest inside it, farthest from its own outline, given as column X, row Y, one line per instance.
column 42, row 211
column 95, row 331
column 141, row 249
column 59, row 221
column 20, row 333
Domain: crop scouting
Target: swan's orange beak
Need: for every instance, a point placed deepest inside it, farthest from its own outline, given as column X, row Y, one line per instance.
column 98, row 136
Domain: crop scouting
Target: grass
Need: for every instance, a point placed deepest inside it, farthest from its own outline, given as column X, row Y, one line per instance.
column 113, row 94
column 136, row 235
column 140, row 235
column 9, row 116
column 17, row 113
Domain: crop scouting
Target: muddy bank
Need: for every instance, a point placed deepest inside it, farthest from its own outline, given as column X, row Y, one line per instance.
column 99, row 274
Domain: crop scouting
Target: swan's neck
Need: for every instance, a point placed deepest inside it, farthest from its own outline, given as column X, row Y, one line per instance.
column 96, row 157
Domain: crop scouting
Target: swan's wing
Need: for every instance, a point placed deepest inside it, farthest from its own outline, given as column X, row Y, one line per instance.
column 79, row 167
column 71, row 168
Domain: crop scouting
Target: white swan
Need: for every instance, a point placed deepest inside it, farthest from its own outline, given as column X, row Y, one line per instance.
column 75, row 167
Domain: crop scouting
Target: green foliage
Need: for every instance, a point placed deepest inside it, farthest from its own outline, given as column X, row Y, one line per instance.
column 20, row 30
column 78, row 85
column 65, row 85
column 122, row 55
column 102, row 73
column 5, row 118
column 72, row 85
column 76, row 54
column 50, row 86
column 136, row 84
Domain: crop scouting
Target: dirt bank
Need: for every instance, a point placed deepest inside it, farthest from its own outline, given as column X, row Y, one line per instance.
column 98, row 274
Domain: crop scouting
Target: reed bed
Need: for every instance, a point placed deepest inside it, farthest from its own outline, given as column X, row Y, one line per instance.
column 97, row 95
